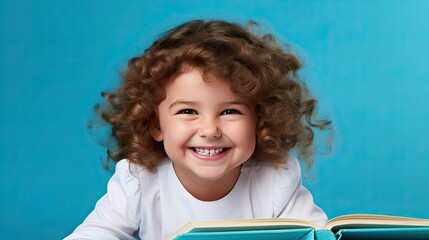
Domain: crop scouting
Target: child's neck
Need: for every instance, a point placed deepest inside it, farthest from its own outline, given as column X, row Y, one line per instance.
column 209, row 190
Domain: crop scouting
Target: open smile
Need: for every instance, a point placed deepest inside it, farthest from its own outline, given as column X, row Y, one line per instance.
column 210, row 153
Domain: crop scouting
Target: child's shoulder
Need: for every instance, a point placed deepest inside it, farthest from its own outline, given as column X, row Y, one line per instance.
column 137, row 181
column 129, row 172
column 285, row 175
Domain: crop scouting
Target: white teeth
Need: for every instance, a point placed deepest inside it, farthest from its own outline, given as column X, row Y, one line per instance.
column 208, row 152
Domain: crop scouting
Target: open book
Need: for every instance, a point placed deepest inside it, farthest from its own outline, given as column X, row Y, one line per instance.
column 347, row 227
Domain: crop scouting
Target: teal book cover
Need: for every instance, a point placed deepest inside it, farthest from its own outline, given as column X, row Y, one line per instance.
column 347, row 227
column 276, row 234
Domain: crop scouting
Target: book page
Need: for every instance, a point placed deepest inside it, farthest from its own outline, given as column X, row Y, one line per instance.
column 374, row 221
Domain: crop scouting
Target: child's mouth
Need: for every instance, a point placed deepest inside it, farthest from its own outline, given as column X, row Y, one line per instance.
column 208, row 152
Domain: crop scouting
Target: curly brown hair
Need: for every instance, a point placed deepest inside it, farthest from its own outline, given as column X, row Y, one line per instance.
column 256, row 67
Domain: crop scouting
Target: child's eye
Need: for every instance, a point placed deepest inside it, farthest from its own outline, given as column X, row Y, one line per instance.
column 230, row 111
column 187, row 111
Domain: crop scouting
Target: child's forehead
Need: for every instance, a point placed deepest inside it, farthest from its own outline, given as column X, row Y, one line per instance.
column 191, row 88
column 210, row 75
column 198, row 77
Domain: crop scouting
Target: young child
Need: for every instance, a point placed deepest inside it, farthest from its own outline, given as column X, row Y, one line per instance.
column 204, row 122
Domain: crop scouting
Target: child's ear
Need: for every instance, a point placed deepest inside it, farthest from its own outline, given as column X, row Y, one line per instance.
column 156, row 133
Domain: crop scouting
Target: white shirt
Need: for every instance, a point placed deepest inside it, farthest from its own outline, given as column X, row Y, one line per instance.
column 155, row 205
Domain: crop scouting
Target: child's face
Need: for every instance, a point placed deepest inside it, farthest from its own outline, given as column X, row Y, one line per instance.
column 207, row 130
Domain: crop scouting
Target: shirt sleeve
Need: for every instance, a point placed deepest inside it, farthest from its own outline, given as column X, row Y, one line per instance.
column 292, row 199
column 116, row 214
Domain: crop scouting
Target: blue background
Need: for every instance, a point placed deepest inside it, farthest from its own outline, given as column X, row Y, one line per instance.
column 366, row 62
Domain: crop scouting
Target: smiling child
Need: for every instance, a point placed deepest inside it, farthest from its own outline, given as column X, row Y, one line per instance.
column 204, row 123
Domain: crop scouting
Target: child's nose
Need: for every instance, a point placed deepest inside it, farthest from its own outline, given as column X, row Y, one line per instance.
column 209, row 129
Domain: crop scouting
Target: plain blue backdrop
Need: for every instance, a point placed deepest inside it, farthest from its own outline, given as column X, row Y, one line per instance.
column 366, row 62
